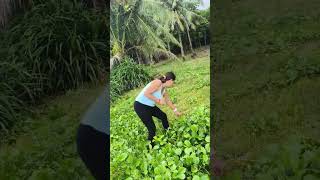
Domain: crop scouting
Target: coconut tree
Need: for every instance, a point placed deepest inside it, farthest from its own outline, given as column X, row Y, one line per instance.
column 141, row 26
column 185, row 18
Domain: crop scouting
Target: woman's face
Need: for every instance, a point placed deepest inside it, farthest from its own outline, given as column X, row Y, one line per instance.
column 169, row 83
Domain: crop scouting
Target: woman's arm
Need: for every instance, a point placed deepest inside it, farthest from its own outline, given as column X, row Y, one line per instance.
column 168, row 101
column 154, row 86
column 170, row 104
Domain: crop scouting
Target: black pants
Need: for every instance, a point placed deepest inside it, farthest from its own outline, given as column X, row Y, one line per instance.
column 145, row 113
column 94, row 148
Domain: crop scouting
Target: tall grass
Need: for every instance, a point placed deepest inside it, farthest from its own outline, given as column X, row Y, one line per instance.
column 56, row 46
column 126, row 76
column 16, row 85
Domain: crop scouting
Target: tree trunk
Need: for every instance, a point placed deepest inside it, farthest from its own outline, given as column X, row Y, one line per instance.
column 205, row 38
column 190, row 43
column 139, row 58
column 152, row 59
column 181, row 48
column 115, row 60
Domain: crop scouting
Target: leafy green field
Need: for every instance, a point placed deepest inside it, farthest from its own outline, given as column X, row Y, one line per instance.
column 267, row 65
column 182, row 152
column 44, row 145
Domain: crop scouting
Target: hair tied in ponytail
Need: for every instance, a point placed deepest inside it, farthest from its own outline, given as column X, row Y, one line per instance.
column 167, row 76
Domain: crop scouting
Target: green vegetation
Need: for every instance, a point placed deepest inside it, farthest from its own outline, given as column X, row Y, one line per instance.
column 43, row 146
column 52, row 58
column 51, row 48
column 144, row 29
column 182, row 152
column 144, row 32
column 126, row 76
column 266, row 73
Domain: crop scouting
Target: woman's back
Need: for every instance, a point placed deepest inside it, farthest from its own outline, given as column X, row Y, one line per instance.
column 145, row 100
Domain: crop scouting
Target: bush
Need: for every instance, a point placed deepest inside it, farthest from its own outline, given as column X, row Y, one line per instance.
column 65, row 44
column 53, row 47
column 126, row 76
column 17, row 85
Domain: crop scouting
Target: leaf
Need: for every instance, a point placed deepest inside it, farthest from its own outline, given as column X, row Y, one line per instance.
column 205, row 177
column 196, row 177
column 187, row 143
column 207, row 139
column 207, row 147
column 194, row 128
column 178, row 151
column 194, row 169
column 122, row 156
column 181, row 173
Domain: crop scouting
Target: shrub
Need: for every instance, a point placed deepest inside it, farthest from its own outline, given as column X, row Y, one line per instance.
column 63, row 43
column 53, row 47
column 126, row 76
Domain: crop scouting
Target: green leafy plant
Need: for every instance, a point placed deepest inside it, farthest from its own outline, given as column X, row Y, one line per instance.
column 55, row 46
column 181, row 152
column 126, row 76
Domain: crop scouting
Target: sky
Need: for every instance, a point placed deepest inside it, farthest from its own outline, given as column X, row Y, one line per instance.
column 206, row 4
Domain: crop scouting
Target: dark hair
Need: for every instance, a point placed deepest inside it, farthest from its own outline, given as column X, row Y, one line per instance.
column 168, row 76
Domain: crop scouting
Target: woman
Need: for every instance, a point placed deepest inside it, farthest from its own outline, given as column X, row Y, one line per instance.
column 93, row 138
column 152, row 94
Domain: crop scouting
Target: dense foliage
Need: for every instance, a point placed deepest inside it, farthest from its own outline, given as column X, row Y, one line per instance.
column 149, row 30
column 126, row 76
column 266, row 69
column 299, row 158
column 47, row 147
column 181, row 152
column 53, row 47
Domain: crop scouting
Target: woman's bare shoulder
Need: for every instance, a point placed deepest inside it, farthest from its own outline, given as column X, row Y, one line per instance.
column 156, row 82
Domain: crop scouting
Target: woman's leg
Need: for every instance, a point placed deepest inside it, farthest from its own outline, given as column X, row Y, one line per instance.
column 145, row 114
column 162, row 116
column 93, row 148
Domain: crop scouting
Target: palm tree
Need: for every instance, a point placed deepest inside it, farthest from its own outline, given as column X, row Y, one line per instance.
column 141, row 26
column 185, row 18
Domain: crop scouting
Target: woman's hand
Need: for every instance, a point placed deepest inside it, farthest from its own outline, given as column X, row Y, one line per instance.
column 177, row 113
column 160, row 102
